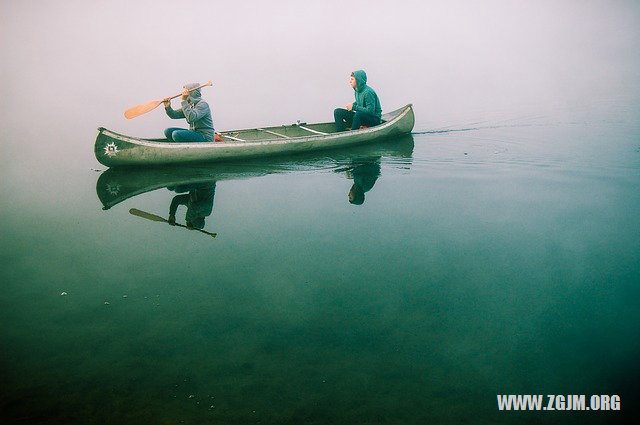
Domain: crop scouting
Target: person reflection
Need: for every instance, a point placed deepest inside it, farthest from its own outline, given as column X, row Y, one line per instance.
column 198, row 200
column 364, row 176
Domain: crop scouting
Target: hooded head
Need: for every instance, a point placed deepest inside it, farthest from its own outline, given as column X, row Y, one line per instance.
column 195, row 95
column 361, row 79
column 356, row 195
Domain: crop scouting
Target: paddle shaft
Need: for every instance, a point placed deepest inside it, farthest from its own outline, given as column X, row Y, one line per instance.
column 153, row 217
column 190, row 90
column 143, row 108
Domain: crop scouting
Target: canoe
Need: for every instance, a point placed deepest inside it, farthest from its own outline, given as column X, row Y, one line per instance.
column 113, row 149
column 118, row 184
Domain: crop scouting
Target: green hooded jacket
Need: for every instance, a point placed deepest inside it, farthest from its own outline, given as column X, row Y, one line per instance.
column 366, row 98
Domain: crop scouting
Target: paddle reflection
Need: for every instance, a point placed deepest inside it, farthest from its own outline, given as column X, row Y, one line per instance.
column 194, row 186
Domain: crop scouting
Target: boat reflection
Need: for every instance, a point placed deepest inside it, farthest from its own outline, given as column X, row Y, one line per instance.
column 194, row 186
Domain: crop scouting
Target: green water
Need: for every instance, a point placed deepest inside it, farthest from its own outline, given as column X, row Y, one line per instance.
column 481, row 262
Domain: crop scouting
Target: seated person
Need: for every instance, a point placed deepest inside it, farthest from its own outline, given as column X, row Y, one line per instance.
column 365, row 111
column 198, row 115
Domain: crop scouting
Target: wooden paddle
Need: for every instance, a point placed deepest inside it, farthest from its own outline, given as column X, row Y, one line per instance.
column 154, row 217
column 143, row 108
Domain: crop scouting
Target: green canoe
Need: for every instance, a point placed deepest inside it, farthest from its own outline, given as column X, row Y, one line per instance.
column 113, row 149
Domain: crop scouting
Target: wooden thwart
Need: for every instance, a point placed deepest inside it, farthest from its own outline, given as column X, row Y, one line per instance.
column 312, row 131
column 273, row 132
column 231, row 137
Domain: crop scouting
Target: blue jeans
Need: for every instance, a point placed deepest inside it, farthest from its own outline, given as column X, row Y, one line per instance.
column 175, row 134
column 353, row 119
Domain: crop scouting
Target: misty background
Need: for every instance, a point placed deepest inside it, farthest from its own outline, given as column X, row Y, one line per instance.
column 279, row 61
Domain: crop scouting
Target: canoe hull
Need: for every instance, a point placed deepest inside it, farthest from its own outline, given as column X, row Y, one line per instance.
column 113, row 149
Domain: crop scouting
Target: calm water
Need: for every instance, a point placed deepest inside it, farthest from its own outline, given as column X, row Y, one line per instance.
column 494, row 251
column 487, row 261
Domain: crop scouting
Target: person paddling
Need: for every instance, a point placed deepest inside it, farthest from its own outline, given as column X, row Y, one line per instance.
column 198, row 115
column 365, row 111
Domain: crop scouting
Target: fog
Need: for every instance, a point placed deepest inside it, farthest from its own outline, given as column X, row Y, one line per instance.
column 74, row 66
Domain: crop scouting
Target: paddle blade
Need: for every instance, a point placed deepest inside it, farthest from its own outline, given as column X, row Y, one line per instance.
column 146, row 215
column 141, row 109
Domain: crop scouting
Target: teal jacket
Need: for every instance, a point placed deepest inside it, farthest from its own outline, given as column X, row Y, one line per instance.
column 366, row 98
